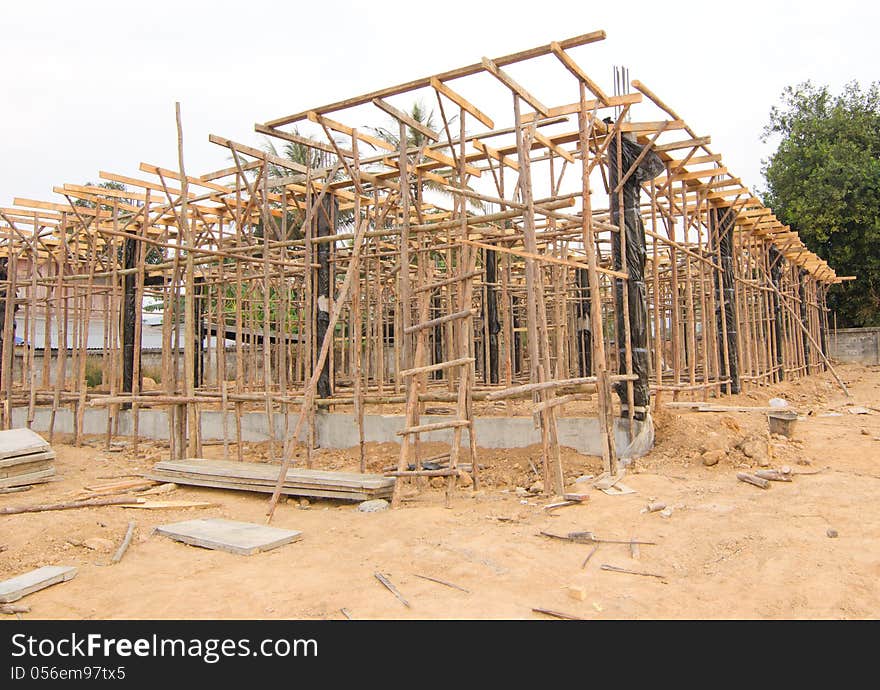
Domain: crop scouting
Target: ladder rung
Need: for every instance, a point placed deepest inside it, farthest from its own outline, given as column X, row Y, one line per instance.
column 436, row 426
column 437, row 367
column 440, row 320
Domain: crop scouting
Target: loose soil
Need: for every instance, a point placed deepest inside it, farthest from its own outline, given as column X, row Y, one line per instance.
column 728, row 549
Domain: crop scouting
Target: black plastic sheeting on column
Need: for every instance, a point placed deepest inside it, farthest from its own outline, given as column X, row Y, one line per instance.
column 723, row 222
column 6, row 304
column 325, row 225
column 491, row 312
column 650, row 166
column 130, row 312
column 583, row 334
column 776, row 278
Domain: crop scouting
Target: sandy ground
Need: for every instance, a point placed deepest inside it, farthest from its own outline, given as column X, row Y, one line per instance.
column 728, row 550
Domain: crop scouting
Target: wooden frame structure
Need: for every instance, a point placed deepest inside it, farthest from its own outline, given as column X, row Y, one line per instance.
column 487, row 261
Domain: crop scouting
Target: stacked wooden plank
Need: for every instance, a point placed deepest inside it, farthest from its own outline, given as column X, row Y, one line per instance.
column 25, row 458
column 250, row 476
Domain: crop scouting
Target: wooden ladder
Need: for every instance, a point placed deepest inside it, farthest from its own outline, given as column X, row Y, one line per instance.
column 416, row 384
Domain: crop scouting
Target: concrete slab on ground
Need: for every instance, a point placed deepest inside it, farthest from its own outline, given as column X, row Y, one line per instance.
column 243, row 538
column 15, row 588
column 15, row 442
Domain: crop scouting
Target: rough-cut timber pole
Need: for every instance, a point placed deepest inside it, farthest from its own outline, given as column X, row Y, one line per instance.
column 325, row 225
column 198, row 343
column 823, row 319
column 726, row 317
column 130, row 349
column 7, row 304
column 634, row 264
column 437, row 309
column 802, row 294
column 193, row 424
column 584, row 334
column 491, row 314
column 776, row 279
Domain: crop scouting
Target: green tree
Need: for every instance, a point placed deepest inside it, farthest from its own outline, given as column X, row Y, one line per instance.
column 309, row 157
column 824, row 181
column 416, row 139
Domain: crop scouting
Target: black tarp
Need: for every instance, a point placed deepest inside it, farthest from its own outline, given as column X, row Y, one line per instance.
column 722, row 237
column 491, row 312
column 5, row 304
column 583, row 334
column 325, row 225
column 648, row 168
column 130, row 312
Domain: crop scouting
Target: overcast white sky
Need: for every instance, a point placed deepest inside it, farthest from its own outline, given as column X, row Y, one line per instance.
column 91, row 85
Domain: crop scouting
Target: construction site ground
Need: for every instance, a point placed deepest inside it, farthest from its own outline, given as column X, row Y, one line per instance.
column 727, row 550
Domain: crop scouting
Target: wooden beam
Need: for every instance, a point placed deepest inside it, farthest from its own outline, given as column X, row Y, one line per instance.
column 514, row 86
column 375, row 142
column 302, row 141
column 446, row 160
column 553, row 147
column 468, row 70
column 575, row 69
column 408, row 120
column 462, row 102
column 684, row 144
column 652, row 126
column 494, row 153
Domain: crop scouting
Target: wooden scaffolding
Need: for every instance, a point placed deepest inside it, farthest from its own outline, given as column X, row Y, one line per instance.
column 548, row 253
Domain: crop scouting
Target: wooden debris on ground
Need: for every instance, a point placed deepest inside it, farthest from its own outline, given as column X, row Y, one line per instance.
column 627, row 571
column 612, row 485
column 560, row 504
column 69, row 505
column 577, row 592
column 13, row 609
column 774, row 475
column 634, row 551
column 754, row 481
column 126, row 541
column 711, row 407
column 590, row 538
column 25, row 458
column 17, row 587
column 558, row 614
column 589, row 556
column 444, row 583
column 161, row 489
column 391, row 588
column 262, row 477
column 144, row 504
column 120, row 487
column 16, row 489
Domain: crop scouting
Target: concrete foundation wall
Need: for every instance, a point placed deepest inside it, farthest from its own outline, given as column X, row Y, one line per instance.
column 860, row 345
column 339, row 430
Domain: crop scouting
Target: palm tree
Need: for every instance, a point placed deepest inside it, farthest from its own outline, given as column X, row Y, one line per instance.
column 417, row 139
column 309, row 157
